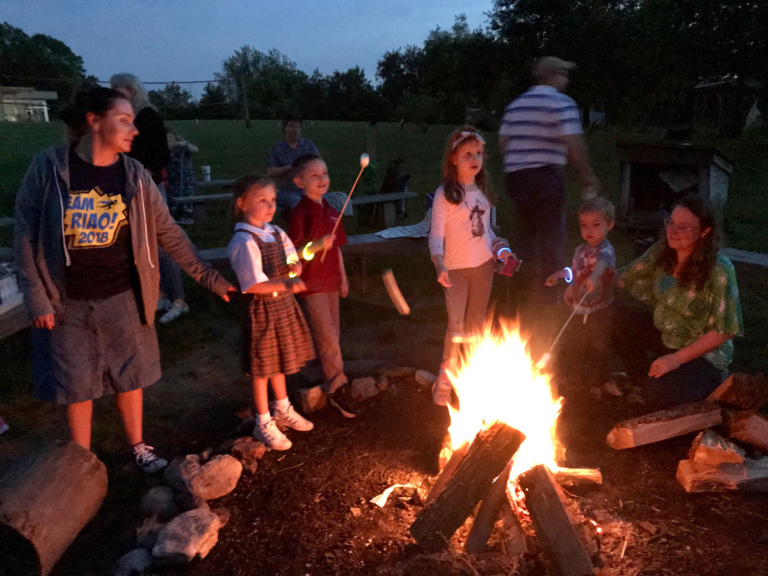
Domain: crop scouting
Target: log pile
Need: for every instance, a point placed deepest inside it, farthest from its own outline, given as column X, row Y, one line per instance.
column 476, row 478
column 731, row 450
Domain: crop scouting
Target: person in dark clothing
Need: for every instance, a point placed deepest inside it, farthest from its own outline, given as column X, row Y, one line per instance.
column 150, row 147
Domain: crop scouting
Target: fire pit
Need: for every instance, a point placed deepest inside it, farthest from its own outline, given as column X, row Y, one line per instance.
column 502, row 454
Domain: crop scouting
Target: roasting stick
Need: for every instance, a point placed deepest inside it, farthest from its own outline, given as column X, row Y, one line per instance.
column 394, row 292
column 548, row 354
column 364, row 161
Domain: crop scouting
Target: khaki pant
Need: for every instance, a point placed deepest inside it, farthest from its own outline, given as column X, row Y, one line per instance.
column 322, row 312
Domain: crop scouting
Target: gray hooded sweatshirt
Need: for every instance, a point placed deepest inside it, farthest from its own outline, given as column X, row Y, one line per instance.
column 40, row 247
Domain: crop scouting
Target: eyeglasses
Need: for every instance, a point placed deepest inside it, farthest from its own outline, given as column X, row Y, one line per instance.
column 686, row 229
column 464, row 136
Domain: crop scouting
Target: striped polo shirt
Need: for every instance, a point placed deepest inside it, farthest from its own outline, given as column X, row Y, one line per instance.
column 534, row 124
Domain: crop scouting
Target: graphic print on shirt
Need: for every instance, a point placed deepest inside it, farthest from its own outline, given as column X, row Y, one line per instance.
column 476, row 218
column 93, row 219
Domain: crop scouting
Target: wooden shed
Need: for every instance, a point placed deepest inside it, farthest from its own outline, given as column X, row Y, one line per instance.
column 654, row 175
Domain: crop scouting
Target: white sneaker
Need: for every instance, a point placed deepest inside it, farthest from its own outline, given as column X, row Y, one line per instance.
column 147, row 460
column 174, row 312
column 271, row 436
column 163, row 304
column 292, row 419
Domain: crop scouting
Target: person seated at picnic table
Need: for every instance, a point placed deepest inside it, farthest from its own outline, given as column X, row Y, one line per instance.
column 89, row 220
column 281, row 157
column 694, row 311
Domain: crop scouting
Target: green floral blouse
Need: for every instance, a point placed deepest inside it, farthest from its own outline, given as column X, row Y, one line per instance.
column 683, row 316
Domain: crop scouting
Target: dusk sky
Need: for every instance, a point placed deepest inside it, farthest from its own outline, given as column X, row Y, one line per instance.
column 164, row 40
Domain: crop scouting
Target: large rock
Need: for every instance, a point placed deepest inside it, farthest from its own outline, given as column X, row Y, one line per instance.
column 180, row 471
column 217, row 478
column 425, row 378
column 147, row 533
column 249, row 451
column 188, row 501
column 159, row 502
column 364, row 388
column 134, row 563
column 312, row 399
column 189, row 535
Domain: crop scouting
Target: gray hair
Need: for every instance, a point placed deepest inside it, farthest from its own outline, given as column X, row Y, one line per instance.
column 140, row 97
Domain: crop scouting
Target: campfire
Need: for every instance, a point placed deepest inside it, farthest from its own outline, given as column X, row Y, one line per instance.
column 503, row 453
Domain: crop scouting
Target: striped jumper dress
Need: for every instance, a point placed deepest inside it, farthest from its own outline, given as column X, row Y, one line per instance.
column 277, row 339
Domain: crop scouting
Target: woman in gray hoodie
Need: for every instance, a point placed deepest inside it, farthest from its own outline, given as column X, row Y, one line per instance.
column 88, row 223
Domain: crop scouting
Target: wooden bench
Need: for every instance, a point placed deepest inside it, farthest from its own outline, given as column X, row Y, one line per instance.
column 358, row 248
column 200, row 202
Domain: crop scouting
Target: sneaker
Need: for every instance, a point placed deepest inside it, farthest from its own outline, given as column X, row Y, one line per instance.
column 163, row 304
column 342, row 400
column 174, row 312
column 271, row 436
column 3, row 426
column 147, row 460
column 184, row 221
column 291, row 419
column 441, row 390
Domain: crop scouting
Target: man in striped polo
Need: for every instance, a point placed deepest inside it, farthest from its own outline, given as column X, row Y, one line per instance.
column 541, row 133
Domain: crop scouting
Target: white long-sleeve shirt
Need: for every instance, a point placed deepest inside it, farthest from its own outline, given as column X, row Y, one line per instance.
column 462, row 232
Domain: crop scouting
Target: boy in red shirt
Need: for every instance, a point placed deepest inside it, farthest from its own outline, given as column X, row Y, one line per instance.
column 310, row 224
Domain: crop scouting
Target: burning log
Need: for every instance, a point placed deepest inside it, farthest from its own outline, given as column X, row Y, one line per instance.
column 749, row 428
column 664, row 424
column 578, row 476
column 457, row 457
column 513, row 538
column 556, row 534
column 490, row 452
column 742, row 391
column 486, row 517
column 46, row 499
column 750, row 476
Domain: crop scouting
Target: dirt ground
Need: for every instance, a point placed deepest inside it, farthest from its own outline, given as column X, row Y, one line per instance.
column 307, row 511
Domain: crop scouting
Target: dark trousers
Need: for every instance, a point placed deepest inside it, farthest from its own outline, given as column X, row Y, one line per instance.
column 587, row 346
column 539, row 198
column 638, row 343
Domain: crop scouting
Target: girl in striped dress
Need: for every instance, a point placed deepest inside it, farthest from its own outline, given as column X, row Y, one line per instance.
column 277, row 341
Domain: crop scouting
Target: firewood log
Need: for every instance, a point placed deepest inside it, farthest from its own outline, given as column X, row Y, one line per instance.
column 490, row 452
column 486, row 516
column 563, row 551
column 664, row 424
column 578, row 476
column 46, row 499
column 742, row 391
column 749, row 476
column 749, row 428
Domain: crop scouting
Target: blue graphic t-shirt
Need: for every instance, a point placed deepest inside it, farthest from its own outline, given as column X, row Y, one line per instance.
column 97, row 232
column 585, row 259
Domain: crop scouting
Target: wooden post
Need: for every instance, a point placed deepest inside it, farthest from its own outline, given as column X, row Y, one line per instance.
column 557, row 536
column 664, row 424
column 490, row 452
column 45, row 501
column 247, row 112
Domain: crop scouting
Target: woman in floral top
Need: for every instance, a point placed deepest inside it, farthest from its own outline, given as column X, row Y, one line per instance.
column 691, row 288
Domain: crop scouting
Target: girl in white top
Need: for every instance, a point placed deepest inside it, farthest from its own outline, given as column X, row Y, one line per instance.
column 462, row 244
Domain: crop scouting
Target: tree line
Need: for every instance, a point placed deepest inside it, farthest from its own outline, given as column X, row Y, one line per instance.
column 640, row 61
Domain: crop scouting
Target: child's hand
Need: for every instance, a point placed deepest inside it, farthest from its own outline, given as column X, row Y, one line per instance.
column 663, row 364
column 231, row 291
column 295, row 268
column 590, row 285
column 328, row 241
column 552, row 279
column 442, row 276
column 295, row 285
column 46, row 321
column 344, row 288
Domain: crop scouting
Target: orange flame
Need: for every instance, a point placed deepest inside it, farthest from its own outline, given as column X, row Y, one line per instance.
column 497, row 380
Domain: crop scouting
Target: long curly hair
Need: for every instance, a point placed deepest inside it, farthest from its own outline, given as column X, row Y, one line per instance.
column 697, row 269
column 454, row 193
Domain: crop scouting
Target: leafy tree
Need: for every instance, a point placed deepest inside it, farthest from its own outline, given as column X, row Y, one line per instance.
column 174, row 101
column 39, row 61
column 352, row 95
column 213, row 103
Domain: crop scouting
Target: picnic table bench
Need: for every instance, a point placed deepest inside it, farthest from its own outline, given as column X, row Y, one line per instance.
column 356, row 251
column 200, row 202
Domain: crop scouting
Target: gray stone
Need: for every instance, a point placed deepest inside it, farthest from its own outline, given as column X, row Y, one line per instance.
column 159, row 502
column 249, row 451
column 134, row 563
column 223, row 514
column 147, row 533
column 382, row 383
column 181, row 470
column 216, row 478
column 189, row 535
column 425, row 378
column 188, row 501
column 397, row 372
column 312, row 399
column 364, row 388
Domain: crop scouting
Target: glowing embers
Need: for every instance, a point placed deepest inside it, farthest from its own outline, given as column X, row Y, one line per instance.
column 496, row 380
